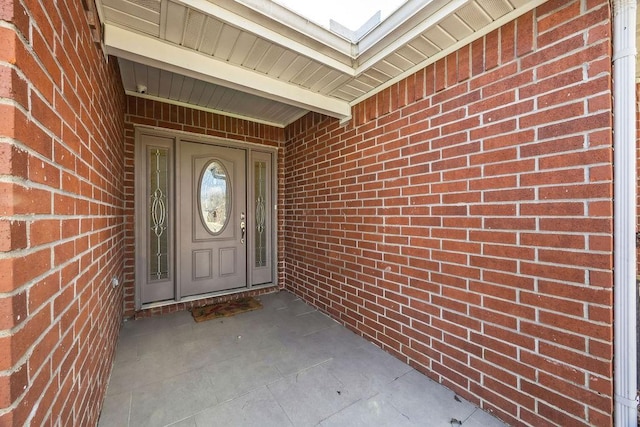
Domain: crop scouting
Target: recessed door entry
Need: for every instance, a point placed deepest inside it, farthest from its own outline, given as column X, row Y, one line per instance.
column 204, row 222
column 212, row 218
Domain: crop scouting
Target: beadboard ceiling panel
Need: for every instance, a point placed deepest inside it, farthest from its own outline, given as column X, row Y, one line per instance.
column 456, row 26
column 186, row 91
column 474, row 16
column 496, row 8
column 132, row 17
column 258, row 60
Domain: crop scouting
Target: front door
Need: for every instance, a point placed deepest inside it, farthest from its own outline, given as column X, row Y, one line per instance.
column 205, row 222
column 212, row 205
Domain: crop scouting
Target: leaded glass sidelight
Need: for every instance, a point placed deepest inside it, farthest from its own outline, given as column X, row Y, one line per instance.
column 260, row 191
column 158, row 189
column 214, row 197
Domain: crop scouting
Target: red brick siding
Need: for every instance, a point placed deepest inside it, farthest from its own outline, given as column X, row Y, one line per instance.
column 145, row 112
column 463, row 219
column 61, row 214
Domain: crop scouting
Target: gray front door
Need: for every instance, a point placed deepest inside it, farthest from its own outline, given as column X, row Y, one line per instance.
column 212, row 205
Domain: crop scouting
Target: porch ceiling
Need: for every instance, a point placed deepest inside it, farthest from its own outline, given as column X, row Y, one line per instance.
column 258, row 60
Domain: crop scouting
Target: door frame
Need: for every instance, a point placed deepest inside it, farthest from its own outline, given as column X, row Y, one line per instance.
column 253, row 151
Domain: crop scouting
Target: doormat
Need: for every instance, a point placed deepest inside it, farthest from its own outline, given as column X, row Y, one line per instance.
column 225, row 309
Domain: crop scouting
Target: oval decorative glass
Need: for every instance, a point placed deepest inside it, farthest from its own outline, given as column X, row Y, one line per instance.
column 214, row 197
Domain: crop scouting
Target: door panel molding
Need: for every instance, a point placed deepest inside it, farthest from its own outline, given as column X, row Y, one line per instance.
column 202, row 233
column 227, row 260
column 201, row 264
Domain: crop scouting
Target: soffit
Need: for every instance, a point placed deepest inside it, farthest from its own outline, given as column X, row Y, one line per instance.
column 637, row 44
column 256, row 59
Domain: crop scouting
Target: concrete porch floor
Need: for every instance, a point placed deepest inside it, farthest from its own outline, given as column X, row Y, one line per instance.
column 286, row 364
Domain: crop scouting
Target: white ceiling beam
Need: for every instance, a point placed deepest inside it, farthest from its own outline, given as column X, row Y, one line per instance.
column 443, row 9
column 407, row 11
column 163, row 55
column 262, row 31
column 532, row 4
column 297, row 22
column 408, row 35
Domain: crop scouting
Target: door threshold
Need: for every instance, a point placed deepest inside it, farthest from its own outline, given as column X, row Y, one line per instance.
column 172, row 306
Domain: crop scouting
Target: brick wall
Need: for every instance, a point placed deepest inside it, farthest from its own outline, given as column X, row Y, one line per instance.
column 463, row 219
column 145, row 112
column 61, row 214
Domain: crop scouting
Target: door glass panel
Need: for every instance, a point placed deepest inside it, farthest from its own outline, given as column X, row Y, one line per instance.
column 158, row 233
column 214, row 197
column 260, row 194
